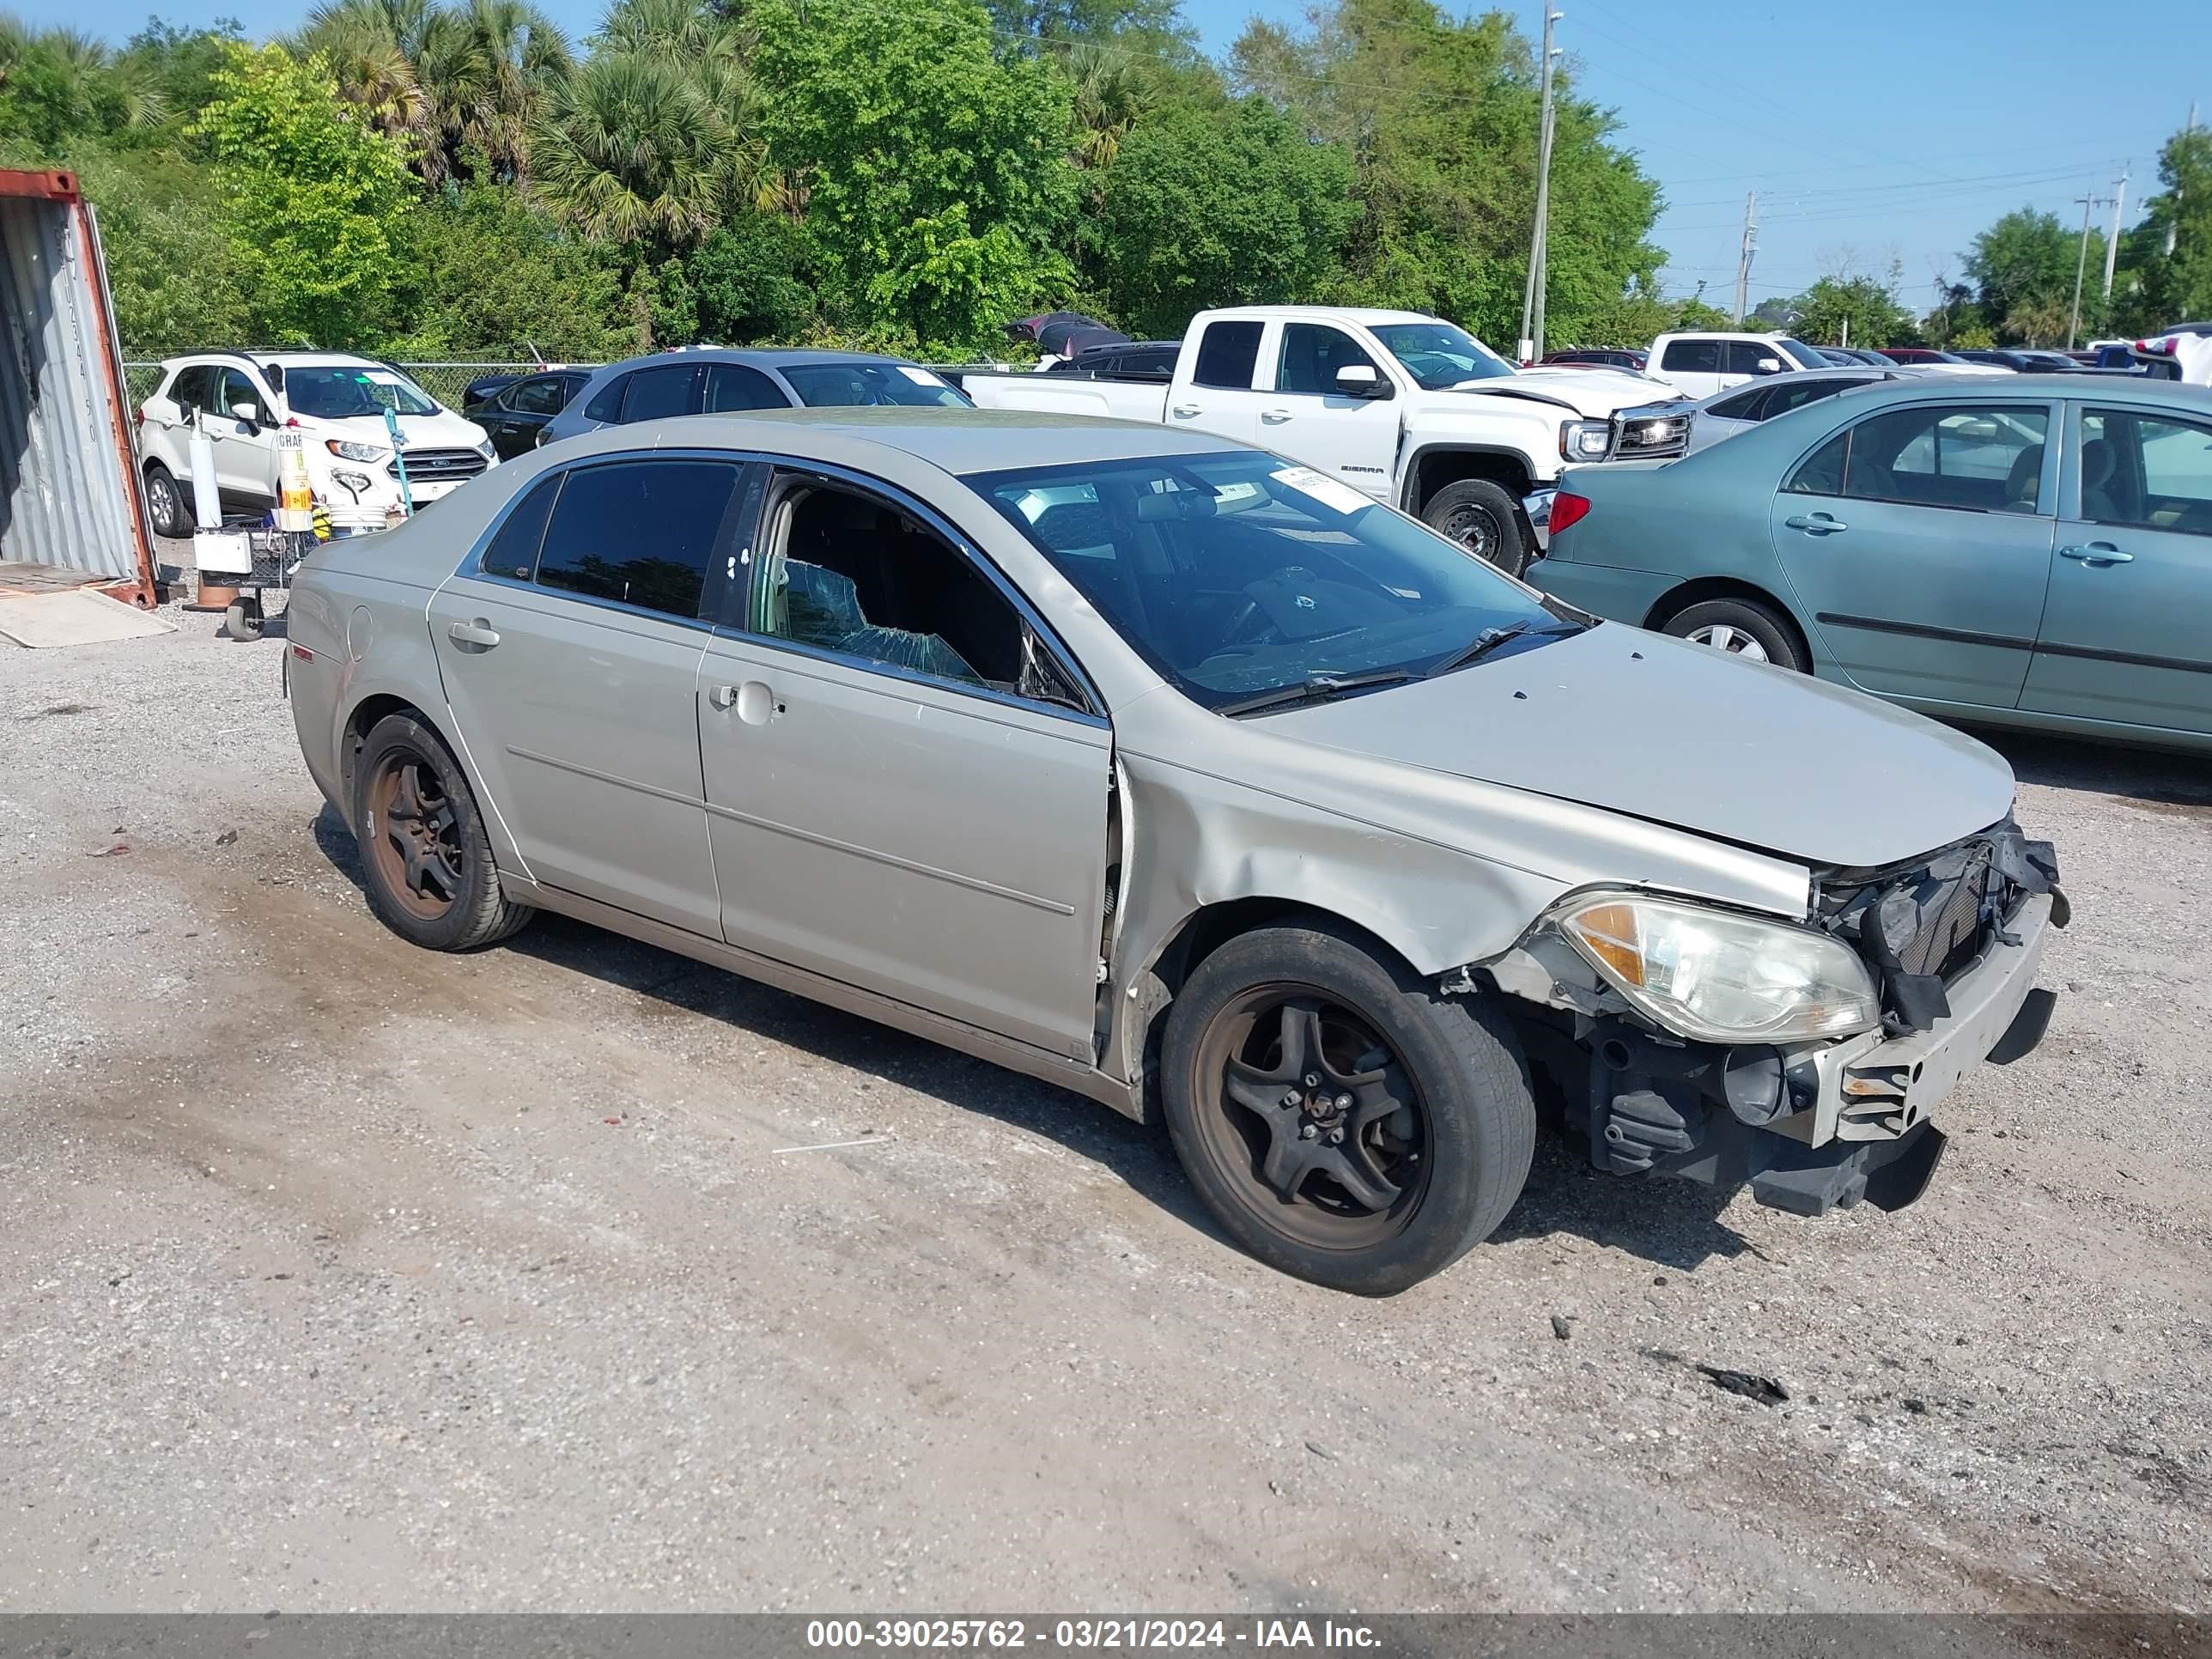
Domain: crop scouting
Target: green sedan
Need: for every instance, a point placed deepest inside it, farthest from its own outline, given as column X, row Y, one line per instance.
column 2034, row 551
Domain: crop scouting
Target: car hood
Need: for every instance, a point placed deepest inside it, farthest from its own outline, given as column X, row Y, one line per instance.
column 1594, row 393
column 443, row 430
column 1684, row 736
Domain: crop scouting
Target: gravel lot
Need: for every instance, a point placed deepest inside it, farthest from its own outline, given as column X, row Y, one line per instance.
column 336, row 1276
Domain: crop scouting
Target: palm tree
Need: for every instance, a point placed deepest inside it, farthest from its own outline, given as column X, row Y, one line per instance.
column 629, row 146
column 1112, row 91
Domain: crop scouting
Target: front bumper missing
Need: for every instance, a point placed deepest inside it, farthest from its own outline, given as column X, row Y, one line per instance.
column 1849, row 1119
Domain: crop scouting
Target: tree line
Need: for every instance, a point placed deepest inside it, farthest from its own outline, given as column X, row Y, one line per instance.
column 434, row 178
column 455, row 177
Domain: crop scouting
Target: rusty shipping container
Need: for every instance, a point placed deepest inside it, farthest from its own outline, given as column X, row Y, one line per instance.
column 70, row 499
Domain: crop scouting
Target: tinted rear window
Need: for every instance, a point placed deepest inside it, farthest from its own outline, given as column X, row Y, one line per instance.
column 654, row 393
column 639, row 532
column 1227, row 354
column 514, row 551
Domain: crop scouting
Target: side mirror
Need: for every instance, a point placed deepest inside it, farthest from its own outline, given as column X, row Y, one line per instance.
column 1361, row 381
column 1769, row 366
column 247, row 411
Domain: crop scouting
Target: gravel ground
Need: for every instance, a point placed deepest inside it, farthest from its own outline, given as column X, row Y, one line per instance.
column 337, row 1275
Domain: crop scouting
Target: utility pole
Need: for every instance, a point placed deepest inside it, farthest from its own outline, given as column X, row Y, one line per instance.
column 1743, row 260
column 1532, row 295
column 2081, row 268
column 2119, row 207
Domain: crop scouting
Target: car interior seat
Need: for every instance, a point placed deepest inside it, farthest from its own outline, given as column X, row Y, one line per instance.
column 2023, row 483
column 2097, row 465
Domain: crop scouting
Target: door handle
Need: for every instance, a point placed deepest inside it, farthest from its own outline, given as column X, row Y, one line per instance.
column 1819, row 525
column 479, row 632
column 755, row 700
column 1274, row 416
column 722, row 696
column 2097, row 553
column 1184, row 411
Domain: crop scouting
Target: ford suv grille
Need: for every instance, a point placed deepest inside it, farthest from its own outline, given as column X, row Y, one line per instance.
column 441, row 465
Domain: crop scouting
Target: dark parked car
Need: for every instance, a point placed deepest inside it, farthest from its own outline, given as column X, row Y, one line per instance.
column 1629, row 357
column 718, row 380
column 2020, row 359
column 514, row 414
column 1137, row 360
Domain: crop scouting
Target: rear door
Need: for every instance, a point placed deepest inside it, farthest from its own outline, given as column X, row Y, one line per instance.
column 1218, row 393
column 2128, row 633
column 900, row 795
column 1919, row 540
column 1693, row 366
column 570, row 652
column 1308, row 419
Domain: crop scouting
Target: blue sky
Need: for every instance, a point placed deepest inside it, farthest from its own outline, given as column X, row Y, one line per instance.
column 1884, row 130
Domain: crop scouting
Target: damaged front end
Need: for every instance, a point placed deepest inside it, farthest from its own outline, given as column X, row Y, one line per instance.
column 1900, row 980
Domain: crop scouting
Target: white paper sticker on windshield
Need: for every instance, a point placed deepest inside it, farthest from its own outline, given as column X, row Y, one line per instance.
column 381, row 377
column 1343, row 498
column 920, row 376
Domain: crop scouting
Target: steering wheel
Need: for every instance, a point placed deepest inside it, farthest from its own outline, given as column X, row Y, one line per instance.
column 1233, row 637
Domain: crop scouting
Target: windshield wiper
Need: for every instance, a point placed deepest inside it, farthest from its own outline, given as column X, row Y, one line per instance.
column 1315, row 688
column 1490, row 638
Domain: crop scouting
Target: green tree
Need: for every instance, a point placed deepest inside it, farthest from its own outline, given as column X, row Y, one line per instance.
column 2168, row 258
column 309, row 197
column 1445, row 163
column 1203, row 209
column 1858, row 308
column 484, row 274
column 60, row 85
column 750, row 280
column 935, row 171
column 2022, row 269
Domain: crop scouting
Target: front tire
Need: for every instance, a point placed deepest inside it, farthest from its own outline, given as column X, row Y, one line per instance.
column 1342, row 1122
column 424, row 850
column 1482, row 518
column 1740, row 628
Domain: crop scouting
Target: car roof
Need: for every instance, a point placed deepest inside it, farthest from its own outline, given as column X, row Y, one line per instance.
column 958, row 441
column 753, row 356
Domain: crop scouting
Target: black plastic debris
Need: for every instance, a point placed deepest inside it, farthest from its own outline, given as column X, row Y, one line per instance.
column 1764, row 1389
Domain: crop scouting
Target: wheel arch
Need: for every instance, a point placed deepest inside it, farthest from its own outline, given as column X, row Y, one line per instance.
column 1203, row 931
column 1703, row 588
column 359, row 721
column 1434, row 466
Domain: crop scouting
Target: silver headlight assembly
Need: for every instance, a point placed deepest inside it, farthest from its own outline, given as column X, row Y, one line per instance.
column 1718, row 977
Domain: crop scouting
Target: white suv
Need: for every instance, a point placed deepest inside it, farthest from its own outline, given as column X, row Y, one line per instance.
column 240, row 400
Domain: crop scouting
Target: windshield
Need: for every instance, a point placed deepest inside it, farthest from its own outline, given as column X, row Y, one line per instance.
column 1804, row 356
column 347, row 392
column 1239, row 574
column 1440, row 355
column 838, row 385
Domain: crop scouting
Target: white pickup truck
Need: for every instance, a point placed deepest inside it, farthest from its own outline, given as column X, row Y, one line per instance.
column 1403, row 407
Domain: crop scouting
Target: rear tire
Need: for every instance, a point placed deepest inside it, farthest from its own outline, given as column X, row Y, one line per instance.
column 424, row 850
column 241, row 623
column 1740, row 628
column 1482, row 518
column 1343, row 1122
column 165, row 504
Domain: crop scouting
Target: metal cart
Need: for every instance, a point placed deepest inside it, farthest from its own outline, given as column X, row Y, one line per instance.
column 276, row 553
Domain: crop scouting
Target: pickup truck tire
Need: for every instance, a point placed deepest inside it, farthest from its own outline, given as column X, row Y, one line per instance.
column 1741, row 627
column 1343, row 1122
column 1482, row 518
column 165, row 503
column 426, row 859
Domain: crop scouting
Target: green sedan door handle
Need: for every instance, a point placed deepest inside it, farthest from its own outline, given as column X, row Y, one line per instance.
column 2097, row 553
column 1819, row 525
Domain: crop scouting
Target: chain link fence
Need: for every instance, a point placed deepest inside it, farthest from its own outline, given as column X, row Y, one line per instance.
column 446, row 382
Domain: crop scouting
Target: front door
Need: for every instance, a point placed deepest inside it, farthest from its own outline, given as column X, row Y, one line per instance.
column 897, row 800
column 1918, row 542
column 1308, row 419
column 570, row 655
column 245, row 445
column 2128, row 633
